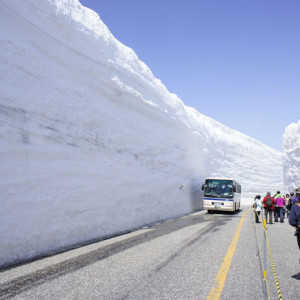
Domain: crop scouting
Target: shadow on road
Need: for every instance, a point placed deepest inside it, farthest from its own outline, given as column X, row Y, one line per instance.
column 222, row 212
column 296, row 276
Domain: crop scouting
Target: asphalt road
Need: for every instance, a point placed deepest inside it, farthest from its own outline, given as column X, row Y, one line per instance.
column 176, row 259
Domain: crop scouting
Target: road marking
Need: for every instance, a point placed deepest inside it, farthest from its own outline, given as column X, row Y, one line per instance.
column 219, row 282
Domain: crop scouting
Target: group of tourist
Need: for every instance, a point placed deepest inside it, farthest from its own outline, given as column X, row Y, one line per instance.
column 279, row 205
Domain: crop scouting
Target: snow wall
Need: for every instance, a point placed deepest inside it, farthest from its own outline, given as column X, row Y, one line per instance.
column 92, row 144
column 291, row 157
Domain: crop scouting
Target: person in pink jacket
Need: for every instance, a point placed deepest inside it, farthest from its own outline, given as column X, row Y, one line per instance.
column 279, row 207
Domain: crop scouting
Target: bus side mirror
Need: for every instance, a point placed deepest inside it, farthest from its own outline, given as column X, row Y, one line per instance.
column 234, row 188
column 203, row 187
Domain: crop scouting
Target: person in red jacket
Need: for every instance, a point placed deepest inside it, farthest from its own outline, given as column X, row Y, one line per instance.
column 268, row 203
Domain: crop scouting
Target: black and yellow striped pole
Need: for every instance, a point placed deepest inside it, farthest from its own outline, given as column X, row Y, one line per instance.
column 265, row 258
column 274, row 271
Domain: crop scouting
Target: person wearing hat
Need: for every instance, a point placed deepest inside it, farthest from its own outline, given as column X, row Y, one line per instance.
column 296, row 197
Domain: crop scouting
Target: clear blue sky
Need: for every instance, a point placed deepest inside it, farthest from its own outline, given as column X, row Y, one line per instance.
column 237, row 61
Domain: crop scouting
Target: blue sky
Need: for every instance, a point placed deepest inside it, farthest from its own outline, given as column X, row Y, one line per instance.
column 237, row 61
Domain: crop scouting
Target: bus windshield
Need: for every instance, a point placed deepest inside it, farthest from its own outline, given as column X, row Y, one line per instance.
column 218, row 188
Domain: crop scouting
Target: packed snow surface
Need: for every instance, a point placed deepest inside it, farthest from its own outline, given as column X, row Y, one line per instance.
column 92, row 144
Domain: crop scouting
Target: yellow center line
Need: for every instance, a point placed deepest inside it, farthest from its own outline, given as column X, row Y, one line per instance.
column 219, row 282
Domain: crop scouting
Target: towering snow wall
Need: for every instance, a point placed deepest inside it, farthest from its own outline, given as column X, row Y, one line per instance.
column 92, row 144
column 291, row 157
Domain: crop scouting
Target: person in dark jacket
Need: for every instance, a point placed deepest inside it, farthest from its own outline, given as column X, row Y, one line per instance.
column 289, row 203
column 294, row 220
column 295, row 198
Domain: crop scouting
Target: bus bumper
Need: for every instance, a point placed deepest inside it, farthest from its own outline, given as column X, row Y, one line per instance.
column 223, row 206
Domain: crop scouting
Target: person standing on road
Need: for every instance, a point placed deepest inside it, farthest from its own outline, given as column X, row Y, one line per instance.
column 284, row 206
column 295, row 198
column 279, row 204
column 258, row 206
column 294, row 220
column 268, row 203
column 275, row 207
column 289, row 203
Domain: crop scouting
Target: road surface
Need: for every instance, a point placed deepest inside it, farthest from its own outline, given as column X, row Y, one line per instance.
column 175, row 259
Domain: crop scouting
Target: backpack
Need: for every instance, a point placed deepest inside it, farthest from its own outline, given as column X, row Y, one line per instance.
column 269, row 202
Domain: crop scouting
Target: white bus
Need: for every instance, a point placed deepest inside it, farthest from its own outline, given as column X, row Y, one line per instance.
column 221, row 194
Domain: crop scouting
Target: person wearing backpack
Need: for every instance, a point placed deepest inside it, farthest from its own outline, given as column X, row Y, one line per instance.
column 294, row 220
column 268, row 203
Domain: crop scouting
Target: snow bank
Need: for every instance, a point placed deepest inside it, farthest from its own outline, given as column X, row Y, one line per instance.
column 291, row 157
column 92, row 144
